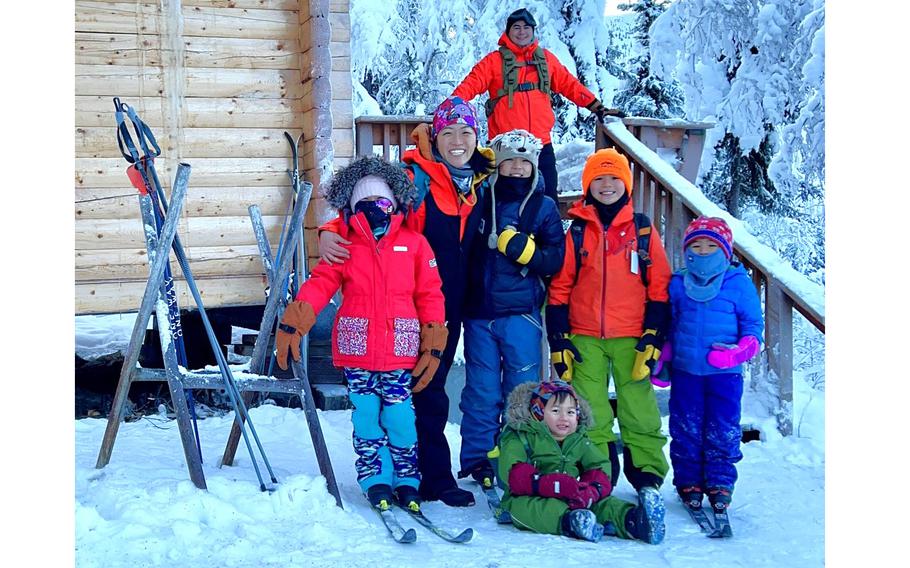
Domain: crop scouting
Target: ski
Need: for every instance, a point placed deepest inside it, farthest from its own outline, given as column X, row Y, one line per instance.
column 397, row 531
column 462, row 537
column 699, row 516
column 502, row 516
column 722, row 528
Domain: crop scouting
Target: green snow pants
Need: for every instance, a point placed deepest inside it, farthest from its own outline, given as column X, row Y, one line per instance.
column 636, row 405
column 544, row 514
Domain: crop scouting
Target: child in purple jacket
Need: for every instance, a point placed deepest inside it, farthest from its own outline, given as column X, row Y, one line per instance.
column 716, row 327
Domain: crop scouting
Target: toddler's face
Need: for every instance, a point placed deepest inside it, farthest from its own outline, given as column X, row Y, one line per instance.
column 516, row 167
column 561, row 419
column 606, row 189
column 703, row 247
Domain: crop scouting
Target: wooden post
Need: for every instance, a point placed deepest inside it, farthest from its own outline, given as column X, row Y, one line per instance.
column 158, row 255
column 364, row 139
column 690, row 153
column 779, row 343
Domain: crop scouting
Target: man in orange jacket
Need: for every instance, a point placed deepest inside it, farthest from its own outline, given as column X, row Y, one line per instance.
column 519, row 77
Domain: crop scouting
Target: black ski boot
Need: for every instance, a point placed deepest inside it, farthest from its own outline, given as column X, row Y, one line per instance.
column 456, row 497
column 691, row 496
column 720, row 498
column 481, row 472
column 582, row 524
column 407, row 497
column 380, row 496
column 646, row 521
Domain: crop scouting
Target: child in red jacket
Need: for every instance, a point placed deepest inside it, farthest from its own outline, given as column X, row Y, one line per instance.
column 389, row 327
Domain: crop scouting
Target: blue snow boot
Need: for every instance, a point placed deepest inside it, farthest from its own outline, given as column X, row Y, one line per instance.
column 646, row 521
column 582, row 524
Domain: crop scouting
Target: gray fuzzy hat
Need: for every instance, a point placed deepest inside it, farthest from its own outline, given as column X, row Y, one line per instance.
column 517, row 144
column 518, row 408
column 339, row 193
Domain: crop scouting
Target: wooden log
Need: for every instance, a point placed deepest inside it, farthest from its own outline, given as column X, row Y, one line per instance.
column 779, row 344
column 261, row 4
column 231, row 53
column 136, row 81
column 207, row 172
column 220, row 291
column 106, row 234
column 122, row 264
column 100, row 142
column 341, row 26
column 120, row 202
column 148, row 19
column 202, row 112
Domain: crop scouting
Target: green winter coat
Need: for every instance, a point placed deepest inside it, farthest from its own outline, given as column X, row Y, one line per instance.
column 526, row 439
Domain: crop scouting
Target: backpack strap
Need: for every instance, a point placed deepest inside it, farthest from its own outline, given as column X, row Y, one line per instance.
column 421, row 182
column 577, row 230
column 510, row 84
column 643, row 230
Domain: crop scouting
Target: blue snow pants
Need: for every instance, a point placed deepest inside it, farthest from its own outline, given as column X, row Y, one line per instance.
column 499, row 354
column 385, row 437
column 705, row 429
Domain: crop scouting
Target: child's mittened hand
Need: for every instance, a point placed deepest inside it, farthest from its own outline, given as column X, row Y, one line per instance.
column 586, row 496
column 559, row 485
column 724, row 356
column 521, row 479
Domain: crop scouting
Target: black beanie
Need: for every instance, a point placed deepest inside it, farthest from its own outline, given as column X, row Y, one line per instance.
column 520, row 15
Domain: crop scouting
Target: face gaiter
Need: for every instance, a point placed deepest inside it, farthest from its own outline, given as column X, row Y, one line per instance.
column 704, row 274
column 376, row 216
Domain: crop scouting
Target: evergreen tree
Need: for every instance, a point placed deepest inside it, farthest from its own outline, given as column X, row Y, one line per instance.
column 648, row 94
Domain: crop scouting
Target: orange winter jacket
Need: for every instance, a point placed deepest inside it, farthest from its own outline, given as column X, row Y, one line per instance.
column 530, row 110
column 607, row 299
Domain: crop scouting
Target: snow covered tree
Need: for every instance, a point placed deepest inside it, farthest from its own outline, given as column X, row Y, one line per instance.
column 648, row 94
column 755, row 68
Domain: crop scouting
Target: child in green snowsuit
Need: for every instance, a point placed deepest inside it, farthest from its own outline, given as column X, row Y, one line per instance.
column 557, row 479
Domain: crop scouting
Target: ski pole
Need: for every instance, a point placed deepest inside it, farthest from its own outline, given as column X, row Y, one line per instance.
column 173, row 311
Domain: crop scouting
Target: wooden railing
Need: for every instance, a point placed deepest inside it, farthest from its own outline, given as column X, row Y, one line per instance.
column 672, row 201
column 392, row 133
column 669, row 198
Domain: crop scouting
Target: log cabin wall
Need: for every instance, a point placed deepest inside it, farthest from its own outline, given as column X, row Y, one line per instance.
column 218, row 81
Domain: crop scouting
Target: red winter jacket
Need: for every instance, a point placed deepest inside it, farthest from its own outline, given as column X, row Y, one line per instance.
column 390, row 287
column 530, row 110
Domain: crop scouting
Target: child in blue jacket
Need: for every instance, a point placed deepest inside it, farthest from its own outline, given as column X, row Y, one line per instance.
column 716, row 327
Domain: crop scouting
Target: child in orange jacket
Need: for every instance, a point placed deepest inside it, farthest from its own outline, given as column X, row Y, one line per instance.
column 603, row 320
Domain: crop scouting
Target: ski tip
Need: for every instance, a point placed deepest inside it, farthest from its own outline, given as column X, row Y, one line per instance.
column 465, row 536
column 408, row 537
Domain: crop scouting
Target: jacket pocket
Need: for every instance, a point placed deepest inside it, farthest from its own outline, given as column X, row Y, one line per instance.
column 352, row 335
column 407, row 337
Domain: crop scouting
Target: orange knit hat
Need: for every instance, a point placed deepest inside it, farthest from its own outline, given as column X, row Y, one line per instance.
column 606, row 161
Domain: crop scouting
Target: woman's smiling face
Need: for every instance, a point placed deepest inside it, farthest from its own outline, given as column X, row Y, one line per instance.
column 456, row 143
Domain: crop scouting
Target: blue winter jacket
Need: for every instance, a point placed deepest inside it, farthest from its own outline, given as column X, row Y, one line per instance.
column 498, row 286
column 734, row 313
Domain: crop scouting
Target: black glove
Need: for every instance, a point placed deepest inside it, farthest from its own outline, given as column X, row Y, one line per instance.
column 602, row 112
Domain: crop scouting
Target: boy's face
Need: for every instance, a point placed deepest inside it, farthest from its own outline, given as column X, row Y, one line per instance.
column 521, row 33
column 703, row 247
column 561, row 419
column 456, row 143
column 607, row 189
column 516, row 167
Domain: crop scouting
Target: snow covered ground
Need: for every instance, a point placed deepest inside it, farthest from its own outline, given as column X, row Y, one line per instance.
column 142, row 509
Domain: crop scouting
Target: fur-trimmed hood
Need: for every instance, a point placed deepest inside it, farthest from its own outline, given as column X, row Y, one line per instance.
column 338, row 195
column 518, row 411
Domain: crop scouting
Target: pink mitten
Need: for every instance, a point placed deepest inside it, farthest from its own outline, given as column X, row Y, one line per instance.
column 661, row 378
column 724, row 356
